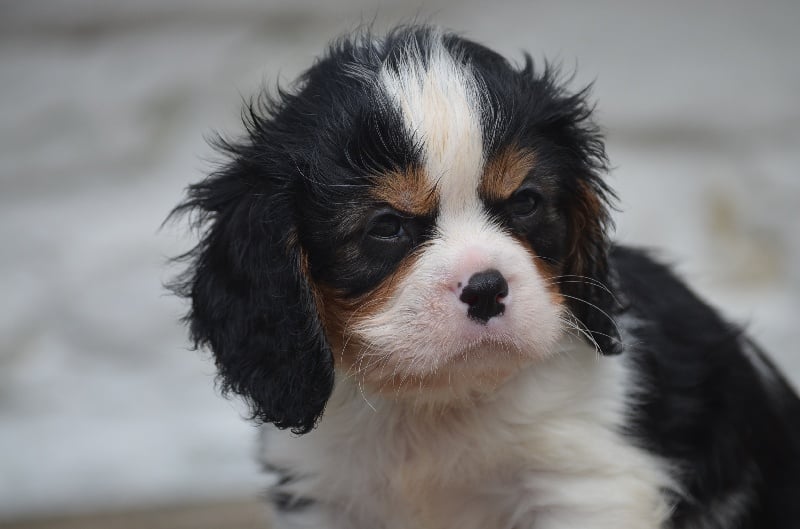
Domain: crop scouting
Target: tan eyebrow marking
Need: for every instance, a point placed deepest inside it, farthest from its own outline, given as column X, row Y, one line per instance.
column 505, row 172
column 407, row 190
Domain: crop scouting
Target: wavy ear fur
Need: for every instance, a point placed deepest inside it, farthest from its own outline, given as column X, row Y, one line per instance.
column 588, row 283
column 251, row 303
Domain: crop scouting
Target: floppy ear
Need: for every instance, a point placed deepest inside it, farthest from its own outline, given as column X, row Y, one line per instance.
column 591, row 285
column 581, row 152
column 251, row 303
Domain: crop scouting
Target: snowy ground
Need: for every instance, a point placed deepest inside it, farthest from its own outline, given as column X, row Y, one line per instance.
column 103, row 109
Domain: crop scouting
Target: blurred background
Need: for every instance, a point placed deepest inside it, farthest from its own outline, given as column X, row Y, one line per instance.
column 103, row 111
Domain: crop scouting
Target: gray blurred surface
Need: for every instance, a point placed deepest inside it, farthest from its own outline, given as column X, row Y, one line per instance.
column 208, row 515
column 103, row 109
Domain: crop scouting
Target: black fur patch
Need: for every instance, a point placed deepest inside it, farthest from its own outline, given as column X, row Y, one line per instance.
column 734, row 436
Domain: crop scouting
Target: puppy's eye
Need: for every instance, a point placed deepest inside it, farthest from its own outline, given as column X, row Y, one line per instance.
column 523, row 203
column 386, row 226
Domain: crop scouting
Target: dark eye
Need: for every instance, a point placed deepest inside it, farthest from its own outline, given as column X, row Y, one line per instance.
column 523, row 203
column 386, row 226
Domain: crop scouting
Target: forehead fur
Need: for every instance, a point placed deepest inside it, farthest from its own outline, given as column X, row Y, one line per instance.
column 438, row 97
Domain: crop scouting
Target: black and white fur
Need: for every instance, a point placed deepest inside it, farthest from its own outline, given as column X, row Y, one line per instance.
column 595, row 392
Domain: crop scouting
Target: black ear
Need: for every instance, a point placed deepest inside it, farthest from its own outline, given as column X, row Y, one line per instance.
column 590, row 283
column 251, row 303
column 580, row 158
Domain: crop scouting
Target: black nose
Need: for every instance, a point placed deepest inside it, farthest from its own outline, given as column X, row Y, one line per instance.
column 483, row 294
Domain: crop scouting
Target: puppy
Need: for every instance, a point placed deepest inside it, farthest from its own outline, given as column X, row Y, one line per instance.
column 405, row 267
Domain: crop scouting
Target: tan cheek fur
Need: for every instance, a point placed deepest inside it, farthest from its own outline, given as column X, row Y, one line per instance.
column 586, row 225
column 339, row 315
column 551, row 273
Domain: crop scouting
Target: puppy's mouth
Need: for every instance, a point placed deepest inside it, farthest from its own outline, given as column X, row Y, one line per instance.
column 476, row 359
column 463, row 374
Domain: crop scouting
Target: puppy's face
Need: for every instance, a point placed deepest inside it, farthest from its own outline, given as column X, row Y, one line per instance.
column 451, row 288
column 462, row 297
column 420, row 216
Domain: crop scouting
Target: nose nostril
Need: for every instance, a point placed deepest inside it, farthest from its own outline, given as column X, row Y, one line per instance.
column 469, row 299
column 503, row 292
column 483, row 294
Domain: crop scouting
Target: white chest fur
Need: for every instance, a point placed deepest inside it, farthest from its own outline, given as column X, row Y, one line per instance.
column 545, row 453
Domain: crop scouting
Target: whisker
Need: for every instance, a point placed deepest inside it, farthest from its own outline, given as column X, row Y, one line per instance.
column 586, row 279
column 576, row 325
column 601, row 311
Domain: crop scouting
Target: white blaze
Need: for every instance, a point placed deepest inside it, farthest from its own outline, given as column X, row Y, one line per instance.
column 438, row 97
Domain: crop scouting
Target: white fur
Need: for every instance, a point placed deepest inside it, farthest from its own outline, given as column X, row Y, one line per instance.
column 543, row 452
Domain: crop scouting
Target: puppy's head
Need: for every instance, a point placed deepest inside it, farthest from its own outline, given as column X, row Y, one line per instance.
column 418, row 214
